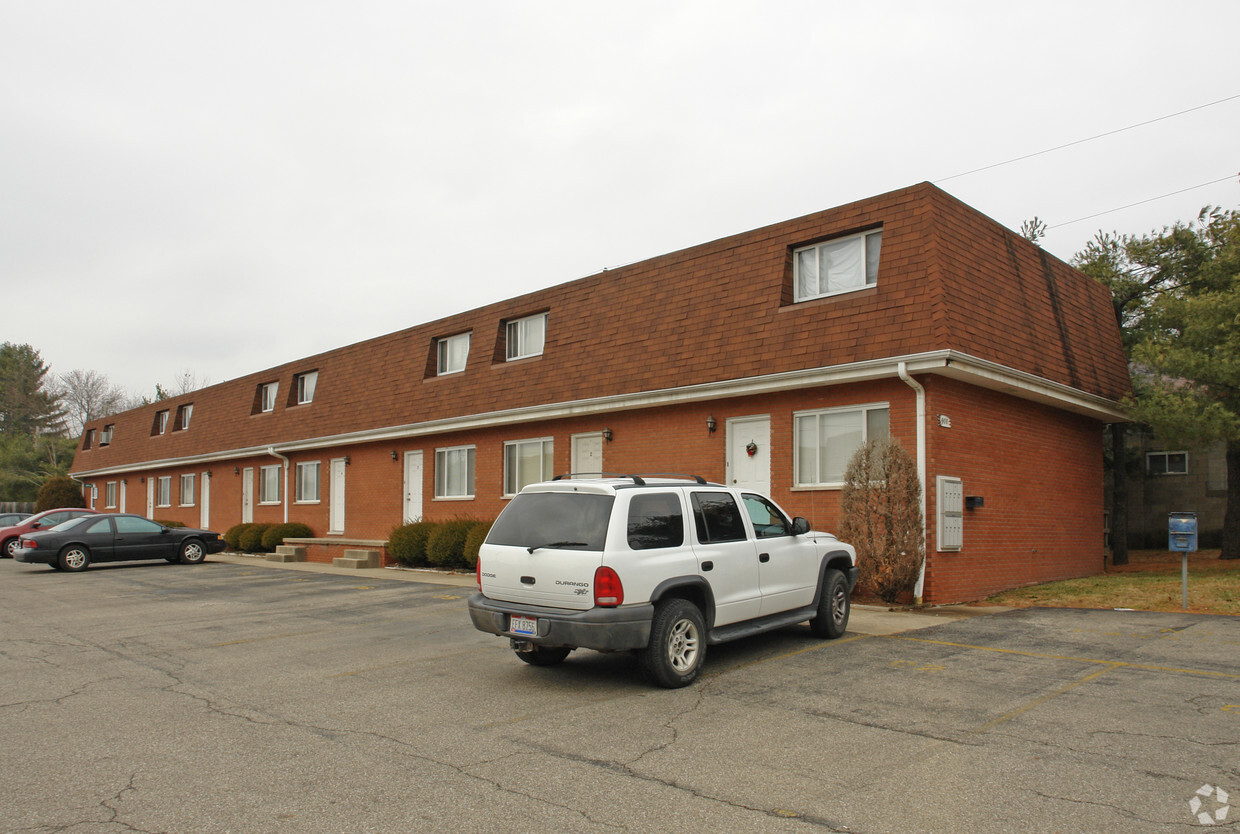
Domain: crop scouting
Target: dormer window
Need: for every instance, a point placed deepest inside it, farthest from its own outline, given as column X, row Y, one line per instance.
column 525, row 337
column 267, row 396
column 303, row 386
column 837, row 266
column 453, row 354
column 89, row 440
column 105, row 436
column 160, row 426
column 184, row 412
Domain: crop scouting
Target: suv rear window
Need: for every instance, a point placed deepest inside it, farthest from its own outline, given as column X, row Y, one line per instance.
column 568, row 521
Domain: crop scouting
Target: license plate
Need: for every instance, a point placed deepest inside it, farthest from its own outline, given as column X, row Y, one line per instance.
column 523, row 625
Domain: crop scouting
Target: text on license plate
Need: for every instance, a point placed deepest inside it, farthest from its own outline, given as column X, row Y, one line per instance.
column 523, row 625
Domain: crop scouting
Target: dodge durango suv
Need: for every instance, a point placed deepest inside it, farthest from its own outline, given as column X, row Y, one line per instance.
column 662, row 567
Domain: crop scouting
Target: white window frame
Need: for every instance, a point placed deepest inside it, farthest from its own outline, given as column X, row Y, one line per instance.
column 184, row 413
column 264, row 473
column 161, row 420
column 268, row 396
column 306, row 383
column 862, row 275
column 89, row 442
column 105, row 436
column 452, row 354
column 817, row 414
column 450, row 483
column 520, row 342
column 109, row 495
column 1166, row 456
column 187, row 490
column 305, row 496
column 514, row 476
column 163, row 491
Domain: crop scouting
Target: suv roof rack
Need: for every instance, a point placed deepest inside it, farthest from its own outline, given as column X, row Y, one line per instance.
column 637, row 479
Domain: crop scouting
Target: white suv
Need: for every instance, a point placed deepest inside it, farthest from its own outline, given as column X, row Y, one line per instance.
column 660, row 566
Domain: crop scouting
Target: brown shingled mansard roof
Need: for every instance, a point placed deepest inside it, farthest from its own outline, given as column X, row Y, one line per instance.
column 957, row 294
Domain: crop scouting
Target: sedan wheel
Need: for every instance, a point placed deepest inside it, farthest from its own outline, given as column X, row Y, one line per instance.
column 10, row 547
column 74, row 558
column 192, row 552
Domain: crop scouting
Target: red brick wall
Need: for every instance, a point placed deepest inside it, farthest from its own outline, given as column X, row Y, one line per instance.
column 1040, row 472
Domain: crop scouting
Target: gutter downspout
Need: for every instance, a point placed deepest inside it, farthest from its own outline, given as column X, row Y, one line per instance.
column 84, row 485
column 284, row 497
column 902, row 370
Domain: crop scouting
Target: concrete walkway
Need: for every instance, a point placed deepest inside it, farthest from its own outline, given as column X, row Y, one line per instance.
column 864, row 619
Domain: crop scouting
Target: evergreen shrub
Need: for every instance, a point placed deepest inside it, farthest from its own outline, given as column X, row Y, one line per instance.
column 446, row 546
column 251, row 541
column 275, row 535
column 233, row 535
column 407, row 543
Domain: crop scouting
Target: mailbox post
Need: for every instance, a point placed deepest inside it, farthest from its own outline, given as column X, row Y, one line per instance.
column 1182, row 537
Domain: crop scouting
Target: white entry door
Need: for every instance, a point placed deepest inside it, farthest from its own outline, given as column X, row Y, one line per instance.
column 204, row 510
column 749, row 453
column 587, row 453
column 150, row 497
column 413, row 486
column 335, row 510
column 247, row 495
column 122, row 507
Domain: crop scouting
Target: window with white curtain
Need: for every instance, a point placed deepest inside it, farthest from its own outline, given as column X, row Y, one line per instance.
column 453, row 354
column 526, row 337
column 306, row 384
column 454, row 472
column 826, row 440
column 187, row 490
column 527, row 462
column 269, row 485
column 837, row 266
column 163, row 491
column 308, row 481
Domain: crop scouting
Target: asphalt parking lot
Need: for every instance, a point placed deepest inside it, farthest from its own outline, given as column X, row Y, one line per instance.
column 241, row 697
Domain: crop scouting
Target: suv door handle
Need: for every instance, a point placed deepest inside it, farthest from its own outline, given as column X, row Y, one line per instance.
column 764, row 557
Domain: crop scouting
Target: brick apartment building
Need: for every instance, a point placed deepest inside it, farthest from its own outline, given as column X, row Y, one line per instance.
column 760, row 359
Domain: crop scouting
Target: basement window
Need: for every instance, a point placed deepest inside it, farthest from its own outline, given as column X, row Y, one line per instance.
column 1166, row 463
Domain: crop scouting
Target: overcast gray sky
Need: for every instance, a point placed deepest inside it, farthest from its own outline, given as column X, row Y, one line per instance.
column 219, row 187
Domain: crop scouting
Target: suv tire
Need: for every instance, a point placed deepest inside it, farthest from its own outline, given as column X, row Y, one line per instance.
column 834, row 606
column 544, row 655
column 677, row 644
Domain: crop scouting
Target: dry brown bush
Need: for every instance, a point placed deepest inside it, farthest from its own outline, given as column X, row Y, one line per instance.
column 881, row 505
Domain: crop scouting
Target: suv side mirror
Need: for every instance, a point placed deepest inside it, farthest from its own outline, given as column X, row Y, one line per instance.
column 799, row 526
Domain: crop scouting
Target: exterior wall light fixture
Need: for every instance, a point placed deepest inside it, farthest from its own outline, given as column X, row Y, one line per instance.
column 607, row 435
column 393, row 454
column 710, row 424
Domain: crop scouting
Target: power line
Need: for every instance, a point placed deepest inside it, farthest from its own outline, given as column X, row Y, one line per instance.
column 1090, row 139
column 1142, row 202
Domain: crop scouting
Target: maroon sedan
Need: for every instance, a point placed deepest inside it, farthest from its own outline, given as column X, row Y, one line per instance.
column 39, row 521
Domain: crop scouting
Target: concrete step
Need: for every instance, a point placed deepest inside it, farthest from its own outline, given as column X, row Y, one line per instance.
column 287, row 553
column 359, row 559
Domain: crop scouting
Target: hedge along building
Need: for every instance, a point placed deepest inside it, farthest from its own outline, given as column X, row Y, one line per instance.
column 762, row 360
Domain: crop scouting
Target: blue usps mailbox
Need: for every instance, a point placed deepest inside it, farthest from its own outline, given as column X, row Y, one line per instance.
column 1182, row 532
column 1182, row 537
